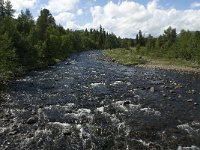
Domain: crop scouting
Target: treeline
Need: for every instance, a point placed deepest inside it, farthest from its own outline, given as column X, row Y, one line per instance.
column 185, row 45
column 26, row 44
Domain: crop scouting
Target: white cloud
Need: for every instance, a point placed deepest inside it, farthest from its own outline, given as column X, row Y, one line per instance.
column 195, row 5
column 79, row 12
column 63, row 17
column 20, row 4
column 66, row 19
column 127, row 17
column 57, row 6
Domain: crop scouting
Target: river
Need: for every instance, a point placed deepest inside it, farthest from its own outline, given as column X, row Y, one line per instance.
column 87, row 102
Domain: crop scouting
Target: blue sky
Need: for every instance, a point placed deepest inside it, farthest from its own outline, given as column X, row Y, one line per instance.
column 122, row 17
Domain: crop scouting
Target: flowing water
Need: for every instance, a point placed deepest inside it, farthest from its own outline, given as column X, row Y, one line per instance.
column 86, row 102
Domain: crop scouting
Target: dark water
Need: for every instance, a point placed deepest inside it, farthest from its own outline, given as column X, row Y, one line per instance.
column 88, row 103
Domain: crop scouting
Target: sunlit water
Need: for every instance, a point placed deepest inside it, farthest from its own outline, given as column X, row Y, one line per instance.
column 89, row 103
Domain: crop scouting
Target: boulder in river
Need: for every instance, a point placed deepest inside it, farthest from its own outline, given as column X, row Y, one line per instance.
column 67, row 133
column 126, row 103
column 172, row 91
column 191, row 92
column 152, row 89
column 32, row 120
column 189, row 100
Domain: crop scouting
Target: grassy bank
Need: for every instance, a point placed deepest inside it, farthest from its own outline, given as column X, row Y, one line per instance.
column 133, row 57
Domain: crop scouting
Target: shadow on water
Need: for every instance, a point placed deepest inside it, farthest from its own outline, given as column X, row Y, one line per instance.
column 88, row 103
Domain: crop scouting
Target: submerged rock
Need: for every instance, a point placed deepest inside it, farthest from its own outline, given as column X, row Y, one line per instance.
column 32, row 120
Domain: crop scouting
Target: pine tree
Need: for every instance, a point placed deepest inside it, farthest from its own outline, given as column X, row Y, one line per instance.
column 44, row 20
column 150, row 42
column 7, row 57
column 25, row 22
column 2, row 8
column 141, row 38
column 9, row 11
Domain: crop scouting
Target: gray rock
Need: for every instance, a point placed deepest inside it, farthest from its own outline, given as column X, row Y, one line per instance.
column 152, row 89
column 67, row 133
column 126, row 103
column 13, row 133
column 32, row 120
column 172, row 91
column 189, row 100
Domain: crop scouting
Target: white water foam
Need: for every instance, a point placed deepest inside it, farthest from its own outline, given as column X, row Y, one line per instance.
column 188, row 148
column 131, row 108
column 100, row 109
column 150, row 111
column 190, row 130
column 116, row 83
column 97, row 84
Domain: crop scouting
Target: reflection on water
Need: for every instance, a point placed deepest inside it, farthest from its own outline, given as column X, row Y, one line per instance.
column 88, row 103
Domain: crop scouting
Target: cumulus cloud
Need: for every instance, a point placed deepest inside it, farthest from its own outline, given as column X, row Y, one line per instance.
column 20, row 4
column 79, row 12
column 127, row 17
column 195, row 5
column 63, row 17
column 58, row 6
column 66, row 19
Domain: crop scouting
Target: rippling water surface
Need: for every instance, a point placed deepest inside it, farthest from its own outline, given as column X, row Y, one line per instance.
column 89, row 103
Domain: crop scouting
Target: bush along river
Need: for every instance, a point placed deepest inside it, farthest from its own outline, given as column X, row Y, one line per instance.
column 87, row 102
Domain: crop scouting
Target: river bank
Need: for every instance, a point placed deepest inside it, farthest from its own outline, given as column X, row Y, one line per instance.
column 130, row 57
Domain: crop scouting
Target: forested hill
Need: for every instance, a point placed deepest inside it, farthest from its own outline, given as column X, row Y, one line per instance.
column 26, row 44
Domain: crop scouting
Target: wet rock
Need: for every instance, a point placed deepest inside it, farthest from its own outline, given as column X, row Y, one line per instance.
column 191, row 92
column 178, row 86
column 41, row 106
column 32, row 120
column 126, row 103
column 179, row 96
column 196, row 104
column 113, row 60
column 164, row 95
column 167, row 87
column 169, row 98
column 33, row 112
column 128, row 83
column 172, row 91
column 152, row 89
column 189, row 100
column 13, row 133
column 67, row 63
column 67, row 133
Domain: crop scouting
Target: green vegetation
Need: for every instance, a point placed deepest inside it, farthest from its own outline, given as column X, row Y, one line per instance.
column 169, row 49
column 125, row 56
column 26, row 44
column 131, row 57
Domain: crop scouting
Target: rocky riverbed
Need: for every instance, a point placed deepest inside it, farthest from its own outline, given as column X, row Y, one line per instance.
column 86, row 102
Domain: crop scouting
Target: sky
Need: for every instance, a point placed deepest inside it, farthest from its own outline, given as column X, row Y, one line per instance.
column 121, row 17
